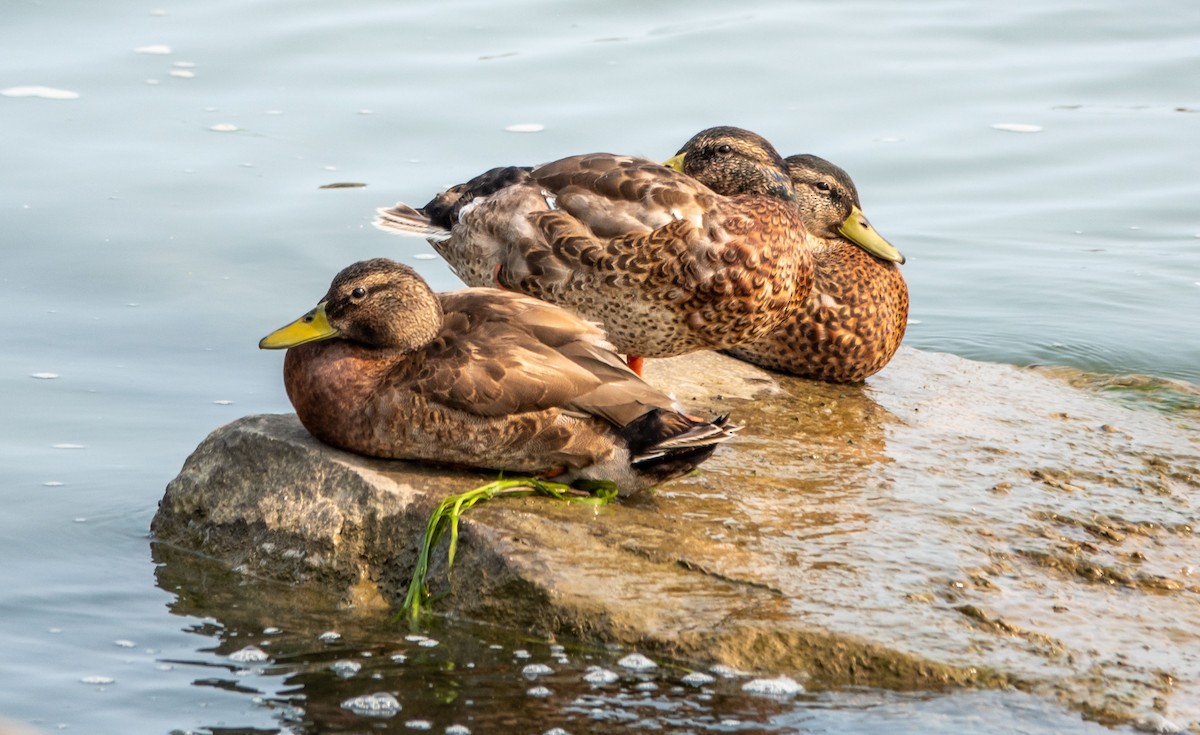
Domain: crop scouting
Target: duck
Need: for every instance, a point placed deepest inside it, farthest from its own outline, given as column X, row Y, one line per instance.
column 480, row 377
column 850, row 324
column 666, row 264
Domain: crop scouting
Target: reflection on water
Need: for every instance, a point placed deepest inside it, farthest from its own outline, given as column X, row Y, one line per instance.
column 457, row 677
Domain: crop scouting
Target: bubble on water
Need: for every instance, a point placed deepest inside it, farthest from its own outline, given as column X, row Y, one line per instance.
column 458, row 730
column 557, row 650
column 346, row 669
column 399, row 658
column 164, row 667
column 539, row 692
column 419, row 725
column 329, row 636
column 182, row 73
column 155, row 50
column 46, row 93
column 556, row 731
column 1018, row 127
column 249, row 654
column 80, row 519
column 272, row 630
column 597, row 675
column 698, row 679
column 726, row 672
column 52, row 483
column 647, row 686
column 44, row 376
column 122, row 643
column 98, row 680
column 224, row 128
column 532, row 671
column 496, row 647
column 427, row 643
column 223, row 402
column 525, row 128
column 379, row 704
column 637, row 662
column 414, row 638
column 417, row 256
column 68, row 445
column 366, row 112
column 783, row 686
column 520, row 653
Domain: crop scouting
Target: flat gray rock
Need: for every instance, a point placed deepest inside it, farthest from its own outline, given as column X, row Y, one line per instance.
column 949, row 523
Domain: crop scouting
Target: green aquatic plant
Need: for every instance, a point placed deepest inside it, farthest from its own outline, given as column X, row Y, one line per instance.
column 450, row 510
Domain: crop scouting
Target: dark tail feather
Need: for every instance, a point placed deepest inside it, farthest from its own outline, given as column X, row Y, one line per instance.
column 666, row 444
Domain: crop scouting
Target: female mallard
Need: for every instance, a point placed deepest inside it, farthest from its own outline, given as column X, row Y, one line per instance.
column 666, row 264
column 851, row 323
column 385, row 367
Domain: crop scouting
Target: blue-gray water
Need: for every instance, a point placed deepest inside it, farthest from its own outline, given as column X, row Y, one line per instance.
column 145, row 252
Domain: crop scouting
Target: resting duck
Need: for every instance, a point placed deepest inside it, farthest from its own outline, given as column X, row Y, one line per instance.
column 851, row 323
column 385, row 367
column 665, row 263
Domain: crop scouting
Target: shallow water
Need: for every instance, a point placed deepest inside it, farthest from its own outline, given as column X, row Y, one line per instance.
column 147, row 247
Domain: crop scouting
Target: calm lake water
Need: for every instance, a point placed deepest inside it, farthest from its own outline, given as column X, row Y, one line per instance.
column 1036, row 162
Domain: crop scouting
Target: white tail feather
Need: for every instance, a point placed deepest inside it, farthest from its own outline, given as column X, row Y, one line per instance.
column 404, row 220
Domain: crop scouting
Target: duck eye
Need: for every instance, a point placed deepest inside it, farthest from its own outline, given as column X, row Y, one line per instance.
column 724, row 149
column 823, row 186
column 358, row 293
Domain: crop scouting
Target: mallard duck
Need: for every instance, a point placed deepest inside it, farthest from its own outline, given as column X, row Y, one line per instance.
column 852, row 321
column 480, row 377
column 666, row 264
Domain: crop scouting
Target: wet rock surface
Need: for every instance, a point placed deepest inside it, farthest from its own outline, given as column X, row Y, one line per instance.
column 950, row 523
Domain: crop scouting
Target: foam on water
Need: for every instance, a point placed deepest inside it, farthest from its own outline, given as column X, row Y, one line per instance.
column 782, row 686
column 637, row 662
column 379, row 704
column 249, row 654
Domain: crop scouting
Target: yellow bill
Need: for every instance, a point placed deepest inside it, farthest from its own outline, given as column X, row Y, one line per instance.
column 859, row 230
column 675, row 162
column 311, row 327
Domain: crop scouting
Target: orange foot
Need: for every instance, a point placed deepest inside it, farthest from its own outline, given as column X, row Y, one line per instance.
column 635, row 364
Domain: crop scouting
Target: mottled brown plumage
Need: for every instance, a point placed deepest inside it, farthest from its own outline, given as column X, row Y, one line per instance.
column 479, row 377
column 852, row 322
column 666, row 264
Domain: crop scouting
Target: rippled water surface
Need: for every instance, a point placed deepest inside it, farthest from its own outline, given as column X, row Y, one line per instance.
column 162, row 210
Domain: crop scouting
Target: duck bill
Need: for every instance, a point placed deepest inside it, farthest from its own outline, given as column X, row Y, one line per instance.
column 675, row 162
column 311, row 327
column 858, row 230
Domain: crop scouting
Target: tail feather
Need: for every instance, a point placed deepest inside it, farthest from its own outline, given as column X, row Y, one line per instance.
column 404, row 220
column 670, row 443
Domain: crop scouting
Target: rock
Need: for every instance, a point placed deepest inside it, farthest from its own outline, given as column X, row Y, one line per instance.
column 950, row 522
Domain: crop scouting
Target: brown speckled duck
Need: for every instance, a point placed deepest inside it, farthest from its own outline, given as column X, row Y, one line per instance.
column 665, row 263
column 851, row 323
column 385, row 367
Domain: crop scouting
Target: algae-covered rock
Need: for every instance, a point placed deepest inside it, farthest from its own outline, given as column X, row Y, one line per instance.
column 949, row 523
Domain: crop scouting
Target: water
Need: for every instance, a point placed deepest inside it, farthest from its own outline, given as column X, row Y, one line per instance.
column 161, row 222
